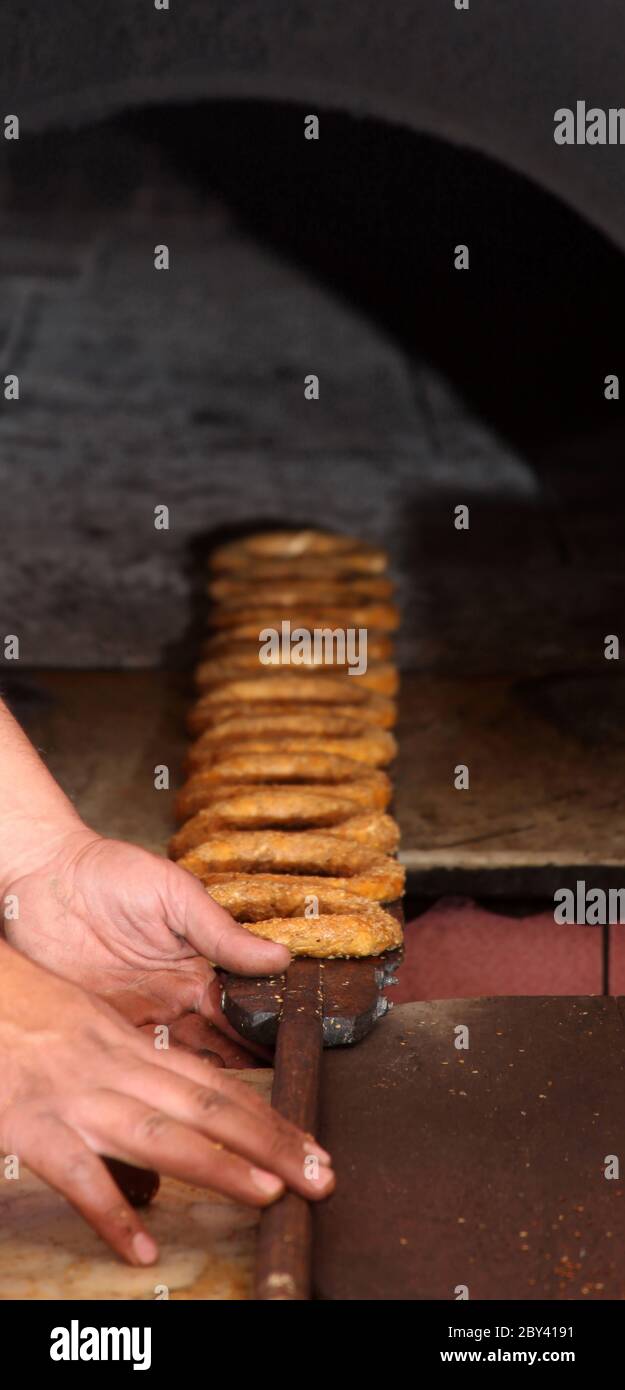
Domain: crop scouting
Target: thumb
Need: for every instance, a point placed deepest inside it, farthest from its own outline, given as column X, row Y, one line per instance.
column 215, row 935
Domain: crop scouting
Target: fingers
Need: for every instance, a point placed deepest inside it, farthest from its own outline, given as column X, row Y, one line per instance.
column 215, row 934
column 55, row 1153
column 192, row 1011
column 189, row 1065
column 127, row 1128
column 262, row 1136
column 145, row 1046
column 163, row 994
column 184, row 1064
column 190, row 1040
column 203, row 1052
column 203, row 1039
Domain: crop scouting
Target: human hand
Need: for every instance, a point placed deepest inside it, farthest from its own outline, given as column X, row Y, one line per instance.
column 131, row 927
column 77, row 1081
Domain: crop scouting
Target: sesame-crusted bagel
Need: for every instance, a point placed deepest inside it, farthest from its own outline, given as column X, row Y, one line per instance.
column 283, row 547
column 295, row 768
column 376, row 748
column 244, row 652
column 304, row 686
column 306, row 852
column 296, row 589
column 317, row 720
column 360, row 795
column 251, row 621
column 264, row 808
column 207, row 712
column 379, row 676
column 310, row 917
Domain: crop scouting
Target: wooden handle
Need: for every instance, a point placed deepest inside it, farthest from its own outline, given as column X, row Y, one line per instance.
column 283, row 1262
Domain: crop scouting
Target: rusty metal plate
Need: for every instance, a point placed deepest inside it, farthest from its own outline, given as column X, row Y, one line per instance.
column 483, row 1167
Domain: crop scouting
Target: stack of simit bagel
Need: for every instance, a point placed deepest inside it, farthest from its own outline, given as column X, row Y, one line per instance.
column 284, row 813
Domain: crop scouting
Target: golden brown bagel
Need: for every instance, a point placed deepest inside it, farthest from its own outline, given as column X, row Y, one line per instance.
column 283, row 686
column 280, row 909
column 252, row 621
column 286, row 768
column 362, row 796
column 270, row 809
column 245, row 728
column 376, row 748
column 310, row 853
column 328, row 937
column 380, row 677
column 291, row 546
column 244, row 651
column 207, row 713
column 296, row 589
column 336, row 568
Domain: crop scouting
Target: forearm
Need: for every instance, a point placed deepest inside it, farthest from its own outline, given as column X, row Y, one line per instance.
column 34, row 813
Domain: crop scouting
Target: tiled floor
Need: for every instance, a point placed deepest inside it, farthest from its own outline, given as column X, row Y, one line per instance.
column 462, row 951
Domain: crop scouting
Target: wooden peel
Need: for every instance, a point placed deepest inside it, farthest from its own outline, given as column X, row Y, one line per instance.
column 316, row 1004
column 283, row 1263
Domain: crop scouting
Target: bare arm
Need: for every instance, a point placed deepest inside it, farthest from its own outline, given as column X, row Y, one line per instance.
column 76, row 1079
column 34, row 813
